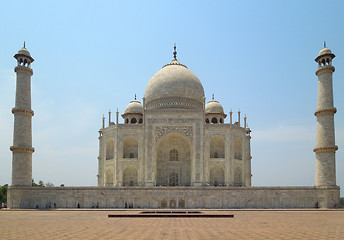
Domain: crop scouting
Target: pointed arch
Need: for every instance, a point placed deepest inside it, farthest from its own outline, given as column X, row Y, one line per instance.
column 173, row 203
column 217, row 147
column 238, row 149
column 217, row 176
column 176, row 147
column 110, row 149
column 163, row 203
column 109, row 176
column 181, row 203
column 130, row 147
column 130, row 176
column 237, row 177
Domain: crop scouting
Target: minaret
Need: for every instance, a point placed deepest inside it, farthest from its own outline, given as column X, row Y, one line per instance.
column 248, row 157
column 22, row 134
column 325, row 167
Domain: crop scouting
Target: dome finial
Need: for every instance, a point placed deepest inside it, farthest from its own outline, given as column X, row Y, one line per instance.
column 213, row 97
column 175, row 52
column 324, row 44
column 24, row 44
column 135, row 96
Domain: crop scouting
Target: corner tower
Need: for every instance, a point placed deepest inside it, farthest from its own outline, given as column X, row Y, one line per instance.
column 22, row 133
column 325, row 167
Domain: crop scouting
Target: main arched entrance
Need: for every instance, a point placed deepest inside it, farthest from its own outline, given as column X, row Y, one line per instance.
column 173, row 156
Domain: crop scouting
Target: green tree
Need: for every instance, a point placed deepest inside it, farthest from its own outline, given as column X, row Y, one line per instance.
column 3, row 193
column 40, row 183
column 34, row 184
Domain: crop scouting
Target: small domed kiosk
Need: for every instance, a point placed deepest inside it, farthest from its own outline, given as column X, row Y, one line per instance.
column 133, row 113
column 214, row 112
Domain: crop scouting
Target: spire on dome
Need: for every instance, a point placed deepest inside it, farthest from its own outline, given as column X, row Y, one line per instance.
column 175, row 52
column 135, row 96
column 213, row 97
column 24, row 44
column 324, row 44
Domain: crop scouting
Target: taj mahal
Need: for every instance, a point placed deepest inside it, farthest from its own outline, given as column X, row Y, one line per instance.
column 174, row 138
column 174, row 150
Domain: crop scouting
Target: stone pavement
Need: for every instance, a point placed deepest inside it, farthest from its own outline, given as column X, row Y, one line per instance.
column 246, row 224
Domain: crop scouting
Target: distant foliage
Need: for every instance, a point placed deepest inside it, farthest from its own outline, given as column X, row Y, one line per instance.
column 42, row 184
column 49, row 184
column 3, row 193
column 342, row 202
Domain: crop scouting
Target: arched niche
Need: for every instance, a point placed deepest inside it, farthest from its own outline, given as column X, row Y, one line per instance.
column 109, row 176
column 130, row 176
column 177, row 171
column 237, row 176
column 163, row 203
column 173, row 155
column 217, row 147
column 110, row 149
column 238, row 149
column 173, row 203
column 133, row 120
column 130, row 147
column 181, row 203
column 217, row 176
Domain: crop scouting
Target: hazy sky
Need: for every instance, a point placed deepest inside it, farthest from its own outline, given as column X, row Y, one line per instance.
column 92, row 56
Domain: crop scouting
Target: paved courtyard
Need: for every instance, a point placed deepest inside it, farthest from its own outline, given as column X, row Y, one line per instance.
column 246, row 224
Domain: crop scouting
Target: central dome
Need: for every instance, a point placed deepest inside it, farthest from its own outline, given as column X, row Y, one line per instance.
column 174, row 86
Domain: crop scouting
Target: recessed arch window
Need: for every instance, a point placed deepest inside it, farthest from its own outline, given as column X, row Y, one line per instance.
column 217, row 147
column 173, row 179
column 130, row 147
column 217, row 176
column 207, row 120
column 214, row 120
column 109, row 149
column 130, row 176
column 109, row 176
column 238, row 177
column 133, row 120
column 173, row 155
column 238, row 149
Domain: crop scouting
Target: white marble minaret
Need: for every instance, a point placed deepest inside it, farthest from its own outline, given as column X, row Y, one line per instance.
column 22, row 134
column 325, row 167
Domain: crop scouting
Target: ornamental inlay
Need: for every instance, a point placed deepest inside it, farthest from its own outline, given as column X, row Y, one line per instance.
column 162, row 131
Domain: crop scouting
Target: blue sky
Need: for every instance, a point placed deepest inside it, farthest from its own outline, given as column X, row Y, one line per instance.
column 92, row 56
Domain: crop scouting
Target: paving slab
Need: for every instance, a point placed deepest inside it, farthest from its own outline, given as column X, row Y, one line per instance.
column 95, row 224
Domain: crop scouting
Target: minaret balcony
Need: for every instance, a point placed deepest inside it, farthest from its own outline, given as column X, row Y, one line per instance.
column 327, row 68
column 22, row 69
